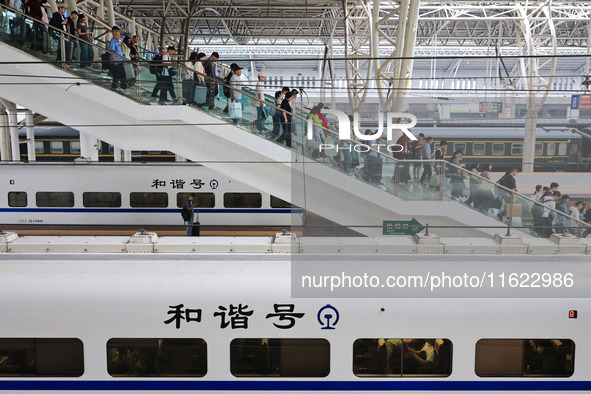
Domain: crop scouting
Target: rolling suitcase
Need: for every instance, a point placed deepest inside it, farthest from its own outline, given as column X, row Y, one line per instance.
column 200, row 95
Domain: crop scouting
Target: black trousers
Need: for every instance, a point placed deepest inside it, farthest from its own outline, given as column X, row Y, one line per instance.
column 166, row 86
column 118, row 75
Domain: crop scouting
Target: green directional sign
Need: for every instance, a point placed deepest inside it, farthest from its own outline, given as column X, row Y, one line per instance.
column 402, row 227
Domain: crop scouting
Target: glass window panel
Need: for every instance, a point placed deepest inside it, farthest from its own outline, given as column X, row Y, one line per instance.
column 539, row 149
column 562, row 149
column 459, row 146
column 39, row 147
column 397, row 357
column 59, row 357
column 101, row 199
column 243, row 200
column 17, row 199
column 28, row 357
column 205, row 200
column 56, row 146
column 478, row 148
column 134, row 357
column 55, row 199
column 516, row 149
column 276, row 202
column 148, row 200
column 74, row 146
column 256, row 357
column 551, row 149
column 111, row 149
column 524, row 357
column 498, row 149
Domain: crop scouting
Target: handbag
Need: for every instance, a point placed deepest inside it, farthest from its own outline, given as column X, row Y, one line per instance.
column 235, row 110
column 273, row 111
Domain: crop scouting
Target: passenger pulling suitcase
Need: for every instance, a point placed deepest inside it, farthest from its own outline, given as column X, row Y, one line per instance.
column 200, row 95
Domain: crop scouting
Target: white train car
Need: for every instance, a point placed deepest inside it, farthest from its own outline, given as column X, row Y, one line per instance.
column 229, row 323
column 132, row 194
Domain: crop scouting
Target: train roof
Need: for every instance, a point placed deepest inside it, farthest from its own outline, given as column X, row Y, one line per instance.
column 58, row 130
column 492, row 132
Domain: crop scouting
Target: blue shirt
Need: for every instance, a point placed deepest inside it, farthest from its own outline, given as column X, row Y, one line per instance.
column 426, row 151
column 115, row 46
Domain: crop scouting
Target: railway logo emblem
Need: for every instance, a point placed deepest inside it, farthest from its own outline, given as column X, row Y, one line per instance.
column 328, row 315
column 213, row 184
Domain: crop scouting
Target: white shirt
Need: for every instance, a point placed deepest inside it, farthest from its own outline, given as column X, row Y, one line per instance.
column 260, row 94
column 189, row 70
column 236, row 83
column 165, row 59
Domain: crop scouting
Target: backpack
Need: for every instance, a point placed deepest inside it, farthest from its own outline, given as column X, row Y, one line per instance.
column 186, row 214
column 227, row 91
column 538, row 210
column 154, row 64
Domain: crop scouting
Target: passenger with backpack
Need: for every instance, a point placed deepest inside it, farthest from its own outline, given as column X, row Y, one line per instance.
column 156, row 69
column 190, row 215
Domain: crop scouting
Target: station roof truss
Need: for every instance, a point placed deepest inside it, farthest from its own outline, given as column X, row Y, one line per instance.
column 469, row 24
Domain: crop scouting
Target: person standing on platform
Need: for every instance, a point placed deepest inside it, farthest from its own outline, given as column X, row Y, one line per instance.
column 193, row 222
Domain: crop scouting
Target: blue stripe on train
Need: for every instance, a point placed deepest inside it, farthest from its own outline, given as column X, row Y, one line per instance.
column 148, row 210
column 295, row 385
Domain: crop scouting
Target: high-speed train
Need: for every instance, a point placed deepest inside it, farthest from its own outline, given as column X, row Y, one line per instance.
column 172, row 323
column 132, row 194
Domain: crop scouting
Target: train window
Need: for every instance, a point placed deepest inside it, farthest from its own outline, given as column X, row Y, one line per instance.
column 43, row 357
column 148, row 200
column 56, row 146
column 111, row 149
column 459, row 146
column 276, row 202
column 395, row 357
column 154, row 152
column 498, row 149
column 524, row 357
column 206, row 200
column 55, row 199
column 101, row 199
column 539, row 149
column 478, row 148
column 74, row 146
column 135, row 357
column 256, row 357
column 562, row 149
column 17, row 199
column 39, row 147
column 551, row 149
column 516, row 149
column 243, row 200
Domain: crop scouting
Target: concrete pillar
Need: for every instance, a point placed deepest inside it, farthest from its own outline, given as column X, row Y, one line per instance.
column 88, row 147
column 30, row 127
column 4, row 135
column 116, row 154
column 127, row 155
column 111, row 13
column 13, row 129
